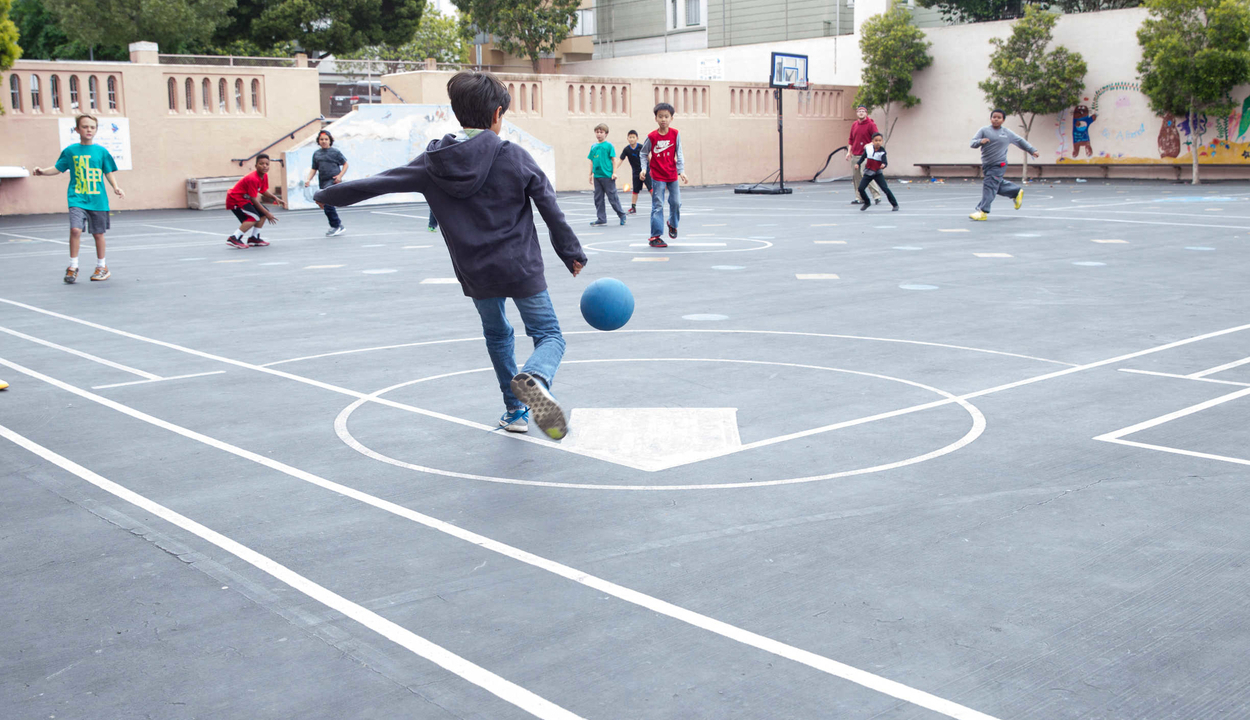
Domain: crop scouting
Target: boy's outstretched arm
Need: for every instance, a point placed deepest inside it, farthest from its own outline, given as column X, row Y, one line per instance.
column 405, row 178
column 563, row 239
column 978, row 138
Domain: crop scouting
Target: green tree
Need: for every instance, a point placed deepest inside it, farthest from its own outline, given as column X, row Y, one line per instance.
column 9, row 49
column 969, row 11
column 1025, row 80
column 526, row 28
column 172, row 24
column 1194, row 52
column 438, row 36
column 334, row 26
column 893, row 49
column 43, row 38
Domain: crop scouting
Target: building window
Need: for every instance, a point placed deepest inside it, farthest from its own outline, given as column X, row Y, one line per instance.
column 207, row 96
column 93, row 92
column 189, row 90
column 238, row 95
column 692, row 13
column 255, row 96
column 112, row 86
column 15, row 93
column 672, row 6
column 173, row 95
column 223, row 105
column 73, row 93
column 54, row 86
column 35, row 105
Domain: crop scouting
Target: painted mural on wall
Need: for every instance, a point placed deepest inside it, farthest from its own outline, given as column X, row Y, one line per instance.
column 1115, row 125
column 379, row 137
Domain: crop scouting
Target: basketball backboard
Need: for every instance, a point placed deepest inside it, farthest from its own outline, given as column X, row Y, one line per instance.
column 788, row 71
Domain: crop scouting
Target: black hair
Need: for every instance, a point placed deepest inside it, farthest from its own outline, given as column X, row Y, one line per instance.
column 664, row 106
column 327, row 134
column 262, row 156
column 631, row 132
column 474, row 97
column 878, row 135
column 999, row 111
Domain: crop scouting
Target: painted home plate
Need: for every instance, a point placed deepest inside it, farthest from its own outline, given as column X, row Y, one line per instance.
column 653, row 439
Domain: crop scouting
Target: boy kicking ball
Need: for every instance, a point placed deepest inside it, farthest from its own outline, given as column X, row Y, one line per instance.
column 481, row 188
column 88, row 203
column 246, row 200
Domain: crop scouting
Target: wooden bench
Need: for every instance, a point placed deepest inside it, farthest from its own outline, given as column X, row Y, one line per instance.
column 1038, row 170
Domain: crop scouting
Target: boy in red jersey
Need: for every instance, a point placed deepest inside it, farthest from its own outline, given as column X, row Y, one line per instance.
column 663, row 162
column 244, row 200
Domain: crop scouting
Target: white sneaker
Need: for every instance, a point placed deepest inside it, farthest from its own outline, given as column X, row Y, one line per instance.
column 335, row 232
column 515, row 420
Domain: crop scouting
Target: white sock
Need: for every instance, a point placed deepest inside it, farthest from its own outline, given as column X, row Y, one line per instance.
column 73, row 263
column 237, row 234
column 99, row 262
column 254, row 232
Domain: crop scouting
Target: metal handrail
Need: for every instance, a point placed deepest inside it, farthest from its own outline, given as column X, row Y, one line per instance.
column 392, row 91
column 287, row 136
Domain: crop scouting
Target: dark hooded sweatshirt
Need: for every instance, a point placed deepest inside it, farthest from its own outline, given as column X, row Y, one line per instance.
column 480, row 191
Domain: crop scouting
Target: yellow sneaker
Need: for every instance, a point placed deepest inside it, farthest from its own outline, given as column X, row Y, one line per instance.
column 1019, row 198
column 978, row 215
column 3, row 384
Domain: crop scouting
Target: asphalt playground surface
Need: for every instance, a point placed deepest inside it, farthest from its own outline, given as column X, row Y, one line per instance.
column 839, row 464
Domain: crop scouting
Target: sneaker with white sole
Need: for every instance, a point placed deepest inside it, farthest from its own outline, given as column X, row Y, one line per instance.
column 336, row 231
column 101, row 273
column 979, row 215
column 547, row 412
column 71, row 275
column 516, row 421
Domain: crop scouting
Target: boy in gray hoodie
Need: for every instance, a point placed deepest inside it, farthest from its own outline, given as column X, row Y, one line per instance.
column 994, row 140
column 480, row 188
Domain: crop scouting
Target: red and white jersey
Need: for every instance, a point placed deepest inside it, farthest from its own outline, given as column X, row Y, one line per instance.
column 662, row 158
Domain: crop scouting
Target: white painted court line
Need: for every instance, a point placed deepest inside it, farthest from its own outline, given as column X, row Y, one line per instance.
column 428, row 650
column 1132, row 222
column 1118, row 435
column 1221, row 368
column 829, row 242
column 820, row 225
column 393, row 214
column 239, row 260
column 1111, row 242
column 88, row 356
column 992, row 255
column 440, row 281
column 483, row 678
column 816, row 276
column 156, row 380
column 953, row 230
column 649, row 259
column 31, row 237
column 416, row 247
column 184, row 230
column 322, row 267
column 682, row 244
column 1184, row 377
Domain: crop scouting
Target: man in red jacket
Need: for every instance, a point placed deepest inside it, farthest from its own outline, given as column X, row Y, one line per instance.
column 862, row 131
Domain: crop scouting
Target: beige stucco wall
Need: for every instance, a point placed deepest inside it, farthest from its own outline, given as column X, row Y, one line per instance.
column 729, row 129
column 167, row 147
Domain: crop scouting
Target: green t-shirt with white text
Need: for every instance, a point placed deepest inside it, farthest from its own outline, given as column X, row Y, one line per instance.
column 88, row 165
column 601, row 157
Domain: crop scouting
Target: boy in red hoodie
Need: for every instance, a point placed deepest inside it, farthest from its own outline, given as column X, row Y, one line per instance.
column 664, row 163
column 862, row 131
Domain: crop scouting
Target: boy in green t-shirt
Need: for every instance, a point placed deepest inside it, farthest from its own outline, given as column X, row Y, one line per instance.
column 88, row 203
column 603, row 176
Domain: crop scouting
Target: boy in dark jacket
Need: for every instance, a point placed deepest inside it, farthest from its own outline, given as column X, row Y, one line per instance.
column 875, row 161
column 480, row 188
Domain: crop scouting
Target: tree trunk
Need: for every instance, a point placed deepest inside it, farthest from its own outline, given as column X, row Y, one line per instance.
column 1194, row 142
column 1024, row 173
column 889, row 129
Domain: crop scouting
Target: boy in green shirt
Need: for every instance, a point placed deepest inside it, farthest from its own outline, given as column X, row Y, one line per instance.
column 88, row 203
column 603, row 176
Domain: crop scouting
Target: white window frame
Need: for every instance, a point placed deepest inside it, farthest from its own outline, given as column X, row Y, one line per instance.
column 675, row 15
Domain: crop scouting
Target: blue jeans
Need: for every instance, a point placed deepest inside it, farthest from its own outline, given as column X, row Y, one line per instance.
column 540, row 324
column 332, row 214
column 658, row 190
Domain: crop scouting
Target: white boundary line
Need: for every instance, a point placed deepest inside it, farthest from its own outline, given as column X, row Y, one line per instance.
column 163, row 379
column 183, row 230
column 483, row 678
column 1220, row 368
column 31, row 237
column 1118, row 435
column 863, row 678
column 1183, row 377
column 116, row 366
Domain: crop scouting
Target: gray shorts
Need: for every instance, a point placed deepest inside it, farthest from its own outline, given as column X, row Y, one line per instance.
column 95, row 222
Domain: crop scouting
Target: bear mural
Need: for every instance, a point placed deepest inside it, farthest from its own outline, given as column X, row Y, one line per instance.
column 1169, row 138
column 1081, row 120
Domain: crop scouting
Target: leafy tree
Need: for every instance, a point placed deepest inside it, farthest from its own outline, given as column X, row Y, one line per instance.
column 893, row 49
column 1082, row 6
column 170, row 23
column 438, row 36
column 1025, row 80
column 9, row 49
column 527, row 28
column 333, row 26
column 43, row 38
column 1194, row 52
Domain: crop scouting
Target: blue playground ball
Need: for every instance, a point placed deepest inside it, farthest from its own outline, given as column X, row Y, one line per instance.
column 607, row 304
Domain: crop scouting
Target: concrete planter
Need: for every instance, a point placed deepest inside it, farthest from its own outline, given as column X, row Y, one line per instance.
column 209, row 193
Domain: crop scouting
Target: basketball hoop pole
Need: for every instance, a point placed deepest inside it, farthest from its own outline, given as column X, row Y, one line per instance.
column 781, row 144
